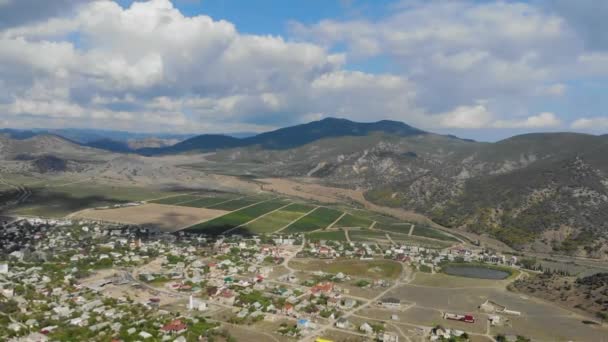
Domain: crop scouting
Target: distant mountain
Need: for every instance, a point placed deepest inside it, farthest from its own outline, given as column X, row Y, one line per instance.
column 290, row 137
column 18, row 134
column 114, row 141
column 110, row 145
column 86, row 136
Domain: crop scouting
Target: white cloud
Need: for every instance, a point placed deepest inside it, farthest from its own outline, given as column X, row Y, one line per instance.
column 166, row 62
column 458, row 51
column 477, row 116
column 150, row 67
column 542, row 120
column 593, row 123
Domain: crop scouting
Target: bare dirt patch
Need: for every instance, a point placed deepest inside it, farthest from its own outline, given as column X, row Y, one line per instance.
column 165, row 217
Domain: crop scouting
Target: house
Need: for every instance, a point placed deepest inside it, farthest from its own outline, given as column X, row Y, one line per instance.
column 287, row 309
column 303, row 324
column 174, row 327
column 390, row 302
column 366, row 328
column 494, row 319
column 226, row 297
column 349, row 303
column 388, row 337
column 323, row 288
column 325, row 251
column 144, row 335
column 343, row 323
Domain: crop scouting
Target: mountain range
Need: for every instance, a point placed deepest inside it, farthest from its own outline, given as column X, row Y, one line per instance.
column 544, row 191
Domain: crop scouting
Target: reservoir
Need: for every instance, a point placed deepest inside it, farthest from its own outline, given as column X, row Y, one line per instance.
column 475, row 272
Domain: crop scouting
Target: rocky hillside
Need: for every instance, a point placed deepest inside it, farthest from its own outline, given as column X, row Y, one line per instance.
column 538, row 192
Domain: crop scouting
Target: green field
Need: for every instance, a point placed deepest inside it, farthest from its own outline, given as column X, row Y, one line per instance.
column 232, row 220
column 351, row 221
column 337, row 235
column 62, row 200
column 205, row 202
column 236, row 204
column 432, row 233
column 366, row 235
column 318, row 219
column 374, row 216
column 419, row 241
column 361, row 268
column 394, row 228
column 419, row 231
column 278, row 219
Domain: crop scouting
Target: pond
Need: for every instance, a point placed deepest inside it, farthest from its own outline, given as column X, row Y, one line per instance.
column 476, row 272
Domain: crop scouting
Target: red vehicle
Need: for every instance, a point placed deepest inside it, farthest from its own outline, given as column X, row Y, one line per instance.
column 457, row 317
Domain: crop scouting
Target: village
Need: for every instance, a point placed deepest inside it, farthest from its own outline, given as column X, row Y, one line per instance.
column 92, row 280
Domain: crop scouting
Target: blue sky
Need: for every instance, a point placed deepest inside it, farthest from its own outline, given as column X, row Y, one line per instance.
column 478, row 69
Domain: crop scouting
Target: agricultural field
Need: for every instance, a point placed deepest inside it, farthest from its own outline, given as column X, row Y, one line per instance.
column 432, row 233
column 400, row 228
column 419, row 241
column 206, row 202
column 318, row 219
column 337, row 235
column 366, row 235
column 374, row 269
column 60, row 201
column 374, row 216
column 236, row 204
column 448, row 281
column 278, row 219
column 236, row 218
column 351, row 221
column 164, row 217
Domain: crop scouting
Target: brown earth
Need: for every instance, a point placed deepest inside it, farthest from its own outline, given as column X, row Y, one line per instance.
column 165, row 217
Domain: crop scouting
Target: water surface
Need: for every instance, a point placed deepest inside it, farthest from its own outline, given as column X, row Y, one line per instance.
column 476, row 272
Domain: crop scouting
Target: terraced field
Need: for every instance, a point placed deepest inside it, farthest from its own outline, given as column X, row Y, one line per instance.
column 236, row 218
column 318, row 219
column 278, row 219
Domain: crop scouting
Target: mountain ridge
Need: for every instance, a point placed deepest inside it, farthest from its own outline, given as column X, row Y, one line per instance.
column 289, row 137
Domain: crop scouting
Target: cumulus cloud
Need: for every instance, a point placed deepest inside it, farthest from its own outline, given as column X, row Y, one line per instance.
column 150, row 67
column 542, row 120
column 594, row 123
column 476, row 116
column 164, row 62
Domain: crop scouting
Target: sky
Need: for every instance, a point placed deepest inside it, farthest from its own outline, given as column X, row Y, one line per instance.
column 484, row 70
